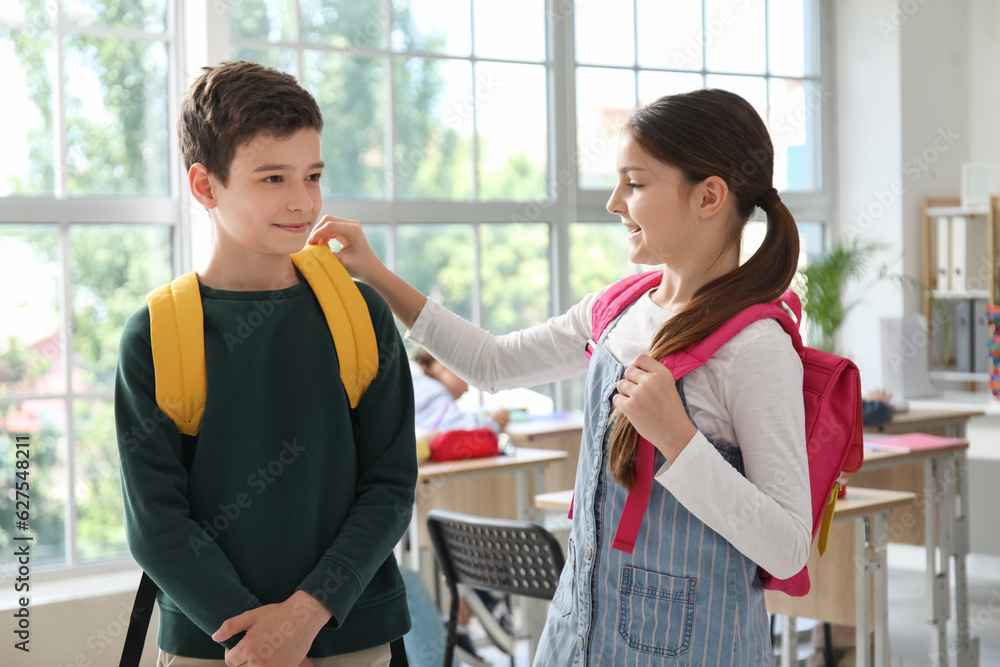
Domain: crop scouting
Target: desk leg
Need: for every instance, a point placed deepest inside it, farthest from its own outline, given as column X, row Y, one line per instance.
column 537, row 486
column 937, row 581
column 789, row 642
column 521, row 495
column 880, row 576
column 862, row 593
column 968, row 647
column 414, row 533
column 526, row 510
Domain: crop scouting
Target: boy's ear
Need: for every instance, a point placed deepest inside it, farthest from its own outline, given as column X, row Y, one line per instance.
column 711, row 194
column 202, row 185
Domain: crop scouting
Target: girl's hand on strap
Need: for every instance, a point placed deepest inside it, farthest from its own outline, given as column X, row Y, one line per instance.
column 648, row 396
column 355, row 253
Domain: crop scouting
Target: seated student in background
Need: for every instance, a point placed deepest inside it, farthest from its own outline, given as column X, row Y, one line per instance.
column 434, row 396
column 877, row 408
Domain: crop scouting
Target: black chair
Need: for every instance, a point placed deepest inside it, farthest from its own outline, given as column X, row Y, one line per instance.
column 499, row 555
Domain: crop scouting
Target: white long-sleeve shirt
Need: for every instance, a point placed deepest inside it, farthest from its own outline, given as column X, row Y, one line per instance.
column 748, row 394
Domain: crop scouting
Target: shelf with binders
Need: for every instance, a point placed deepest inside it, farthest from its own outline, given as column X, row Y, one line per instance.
column 960, row 267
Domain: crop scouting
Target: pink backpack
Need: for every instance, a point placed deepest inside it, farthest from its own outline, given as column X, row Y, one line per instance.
column 831, row 392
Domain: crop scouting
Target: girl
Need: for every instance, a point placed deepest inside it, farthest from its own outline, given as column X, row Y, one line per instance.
column 732, row 484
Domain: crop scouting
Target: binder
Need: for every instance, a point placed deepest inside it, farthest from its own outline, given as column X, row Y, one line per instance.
column 961, row 323
column 942, row 253
column 980, row 338
column 958, row 253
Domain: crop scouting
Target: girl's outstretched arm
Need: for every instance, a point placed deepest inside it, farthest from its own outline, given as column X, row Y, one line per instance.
column 360, row 261
column 532, row 356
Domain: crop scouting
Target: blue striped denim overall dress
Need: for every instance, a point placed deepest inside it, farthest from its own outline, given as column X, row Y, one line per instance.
column 684, row 597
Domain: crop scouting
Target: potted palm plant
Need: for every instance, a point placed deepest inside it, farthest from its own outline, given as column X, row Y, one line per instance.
column 826, row 278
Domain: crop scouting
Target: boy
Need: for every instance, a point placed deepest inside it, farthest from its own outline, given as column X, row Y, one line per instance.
column 280, row 525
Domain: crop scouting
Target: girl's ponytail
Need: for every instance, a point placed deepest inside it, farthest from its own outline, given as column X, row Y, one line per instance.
column 665, row 129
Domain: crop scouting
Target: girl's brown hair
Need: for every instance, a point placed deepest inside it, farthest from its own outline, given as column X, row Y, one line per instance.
column 712, row 133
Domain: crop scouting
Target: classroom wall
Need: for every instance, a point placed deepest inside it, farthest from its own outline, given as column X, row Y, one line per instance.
column 983, row 27
column 84, row 632
column 903, row 114
column 935, row 127
column 868, row 145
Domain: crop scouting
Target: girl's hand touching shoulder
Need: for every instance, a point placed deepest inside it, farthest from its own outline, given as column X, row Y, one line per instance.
column 360, row 261
column 355, row 253
column 648, row 396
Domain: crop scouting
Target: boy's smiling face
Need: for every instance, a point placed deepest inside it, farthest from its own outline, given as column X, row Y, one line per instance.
column 272, row 199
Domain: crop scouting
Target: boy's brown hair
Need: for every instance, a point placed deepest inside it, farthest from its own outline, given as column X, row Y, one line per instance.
column 234, row 102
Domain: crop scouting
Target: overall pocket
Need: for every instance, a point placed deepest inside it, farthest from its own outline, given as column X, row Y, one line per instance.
column 656, row 611
column 562, row 601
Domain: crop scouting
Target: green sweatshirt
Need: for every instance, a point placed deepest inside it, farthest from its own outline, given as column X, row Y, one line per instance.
column 279, row 497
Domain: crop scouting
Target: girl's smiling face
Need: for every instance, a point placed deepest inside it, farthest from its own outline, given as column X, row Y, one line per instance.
column 653, row 200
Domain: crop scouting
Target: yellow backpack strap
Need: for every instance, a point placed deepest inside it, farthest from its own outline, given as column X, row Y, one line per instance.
column 346, row 314
column 177, row 336
column 824, row 527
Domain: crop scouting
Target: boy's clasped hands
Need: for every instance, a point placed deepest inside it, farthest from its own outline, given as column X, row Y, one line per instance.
column 277, row 635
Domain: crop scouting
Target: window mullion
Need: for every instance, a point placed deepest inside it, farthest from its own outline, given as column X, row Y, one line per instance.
column 66, row 290
column 564, row 176
column 477, row 282
column 58, row 110
column 475, row 102
column 390, row 134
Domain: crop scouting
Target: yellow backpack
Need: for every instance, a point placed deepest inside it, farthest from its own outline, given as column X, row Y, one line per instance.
column 176, row 331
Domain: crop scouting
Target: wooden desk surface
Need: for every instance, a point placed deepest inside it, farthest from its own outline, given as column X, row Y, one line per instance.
column 428, row 470
column 879, row 458
column 925, row 414
column 919, row 419
column 858, row 501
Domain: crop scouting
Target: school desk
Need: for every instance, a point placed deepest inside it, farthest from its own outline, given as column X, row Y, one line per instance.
column 495, row 486
column 869, row 509
column 943, row 492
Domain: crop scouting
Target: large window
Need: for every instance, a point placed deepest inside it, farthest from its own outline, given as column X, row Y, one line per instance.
column 88, row 222
column 475, row 139
column 430, row 101
column 764, row 50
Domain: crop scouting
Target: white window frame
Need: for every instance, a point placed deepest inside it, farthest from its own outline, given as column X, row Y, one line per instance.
column 198, row 33
column 67, row 212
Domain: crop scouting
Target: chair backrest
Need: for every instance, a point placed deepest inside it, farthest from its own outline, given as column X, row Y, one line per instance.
column 501, row 555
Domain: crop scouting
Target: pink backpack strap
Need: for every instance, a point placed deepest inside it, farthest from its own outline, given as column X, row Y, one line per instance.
column 684, row 361
column 680, row 364
column 617, row 298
